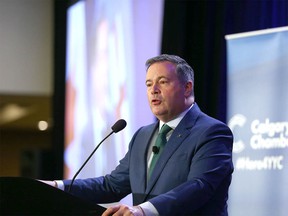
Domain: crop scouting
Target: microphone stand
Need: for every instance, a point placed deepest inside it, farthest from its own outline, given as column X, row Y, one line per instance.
column 72, row 181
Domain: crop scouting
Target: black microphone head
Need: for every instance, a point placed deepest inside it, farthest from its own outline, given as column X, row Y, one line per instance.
column 155, row 149
column 119, row 125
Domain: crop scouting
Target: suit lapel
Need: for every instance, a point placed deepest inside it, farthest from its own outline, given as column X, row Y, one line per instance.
column 177, row 138
column 141, row 158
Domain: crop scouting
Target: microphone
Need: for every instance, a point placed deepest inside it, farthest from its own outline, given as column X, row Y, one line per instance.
column 118, row 126
column 155, row 149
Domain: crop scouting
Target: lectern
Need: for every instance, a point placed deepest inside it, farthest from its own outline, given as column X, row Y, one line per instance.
column 24, row 196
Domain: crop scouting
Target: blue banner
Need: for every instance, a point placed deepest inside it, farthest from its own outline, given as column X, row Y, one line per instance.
column 258, row 116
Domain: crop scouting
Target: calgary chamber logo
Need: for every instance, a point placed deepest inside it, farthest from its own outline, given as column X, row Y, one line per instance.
column 237, row 120
column 268, row 142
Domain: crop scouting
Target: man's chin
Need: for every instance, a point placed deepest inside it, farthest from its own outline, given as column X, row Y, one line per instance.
column 157, row 112
column 160, row 114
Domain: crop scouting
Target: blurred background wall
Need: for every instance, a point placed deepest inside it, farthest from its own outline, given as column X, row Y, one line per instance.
column 26, row 85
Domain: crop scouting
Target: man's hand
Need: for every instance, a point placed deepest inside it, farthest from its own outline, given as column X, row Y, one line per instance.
column 51, row 183
column 124, row 210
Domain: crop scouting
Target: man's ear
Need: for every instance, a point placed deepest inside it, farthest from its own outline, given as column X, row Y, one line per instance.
column 188, row 88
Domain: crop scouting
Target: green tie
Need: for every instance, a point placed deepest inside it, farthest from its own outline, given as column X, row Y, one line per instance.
column 160, row 143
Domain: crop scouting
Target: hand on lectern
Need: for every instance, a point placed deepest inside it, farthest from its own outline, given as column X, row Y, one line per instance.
column 51, row 183
column 124, row 210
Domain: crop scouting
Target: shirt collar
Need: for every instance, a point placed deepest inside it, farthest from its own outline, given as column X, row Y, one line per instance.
column 173, row 123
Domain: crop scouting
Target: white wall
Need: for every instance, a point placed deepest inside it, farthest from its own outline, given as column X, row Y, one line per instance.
column 26, row 47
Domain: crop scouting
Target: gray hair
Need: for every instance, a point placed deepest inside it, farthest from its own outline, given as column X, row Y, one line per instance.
column 184, row 71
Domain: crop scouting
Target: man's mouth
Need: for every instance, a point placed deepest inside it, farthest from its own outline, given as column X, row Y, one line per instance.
column 155, row 101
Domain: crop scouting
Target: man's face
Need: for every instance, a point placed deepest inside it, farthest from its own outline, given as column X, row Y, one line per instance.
column 166, row 94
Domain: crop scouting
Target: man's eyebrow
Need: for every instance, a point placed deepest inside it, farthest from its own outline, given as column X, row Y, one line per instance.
column 158, row 78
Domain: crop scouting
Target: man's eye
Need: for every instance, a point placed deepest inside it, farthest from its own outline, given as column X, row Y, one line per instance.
column 148, row 84
column 163, row 81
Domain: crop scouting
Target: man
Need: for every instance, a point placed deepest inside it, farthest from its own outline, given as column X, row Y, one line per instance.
column 193, row 171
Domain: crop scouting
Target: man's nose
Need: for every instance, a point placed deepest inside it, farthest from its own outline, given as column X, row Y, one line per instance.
column 155, row 89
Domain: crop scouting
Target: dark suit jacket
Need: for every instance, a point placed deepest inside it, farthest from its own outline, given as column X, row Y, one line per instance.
column 191, row 177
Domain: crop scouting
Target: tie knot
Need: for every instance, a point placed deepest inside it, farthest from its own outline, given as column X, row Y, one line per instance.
column 165, row 129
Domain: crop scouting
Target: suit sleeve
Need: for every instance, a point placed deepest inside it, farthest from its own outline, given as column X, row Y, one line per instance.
column 209, row 175
column 103, row 189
